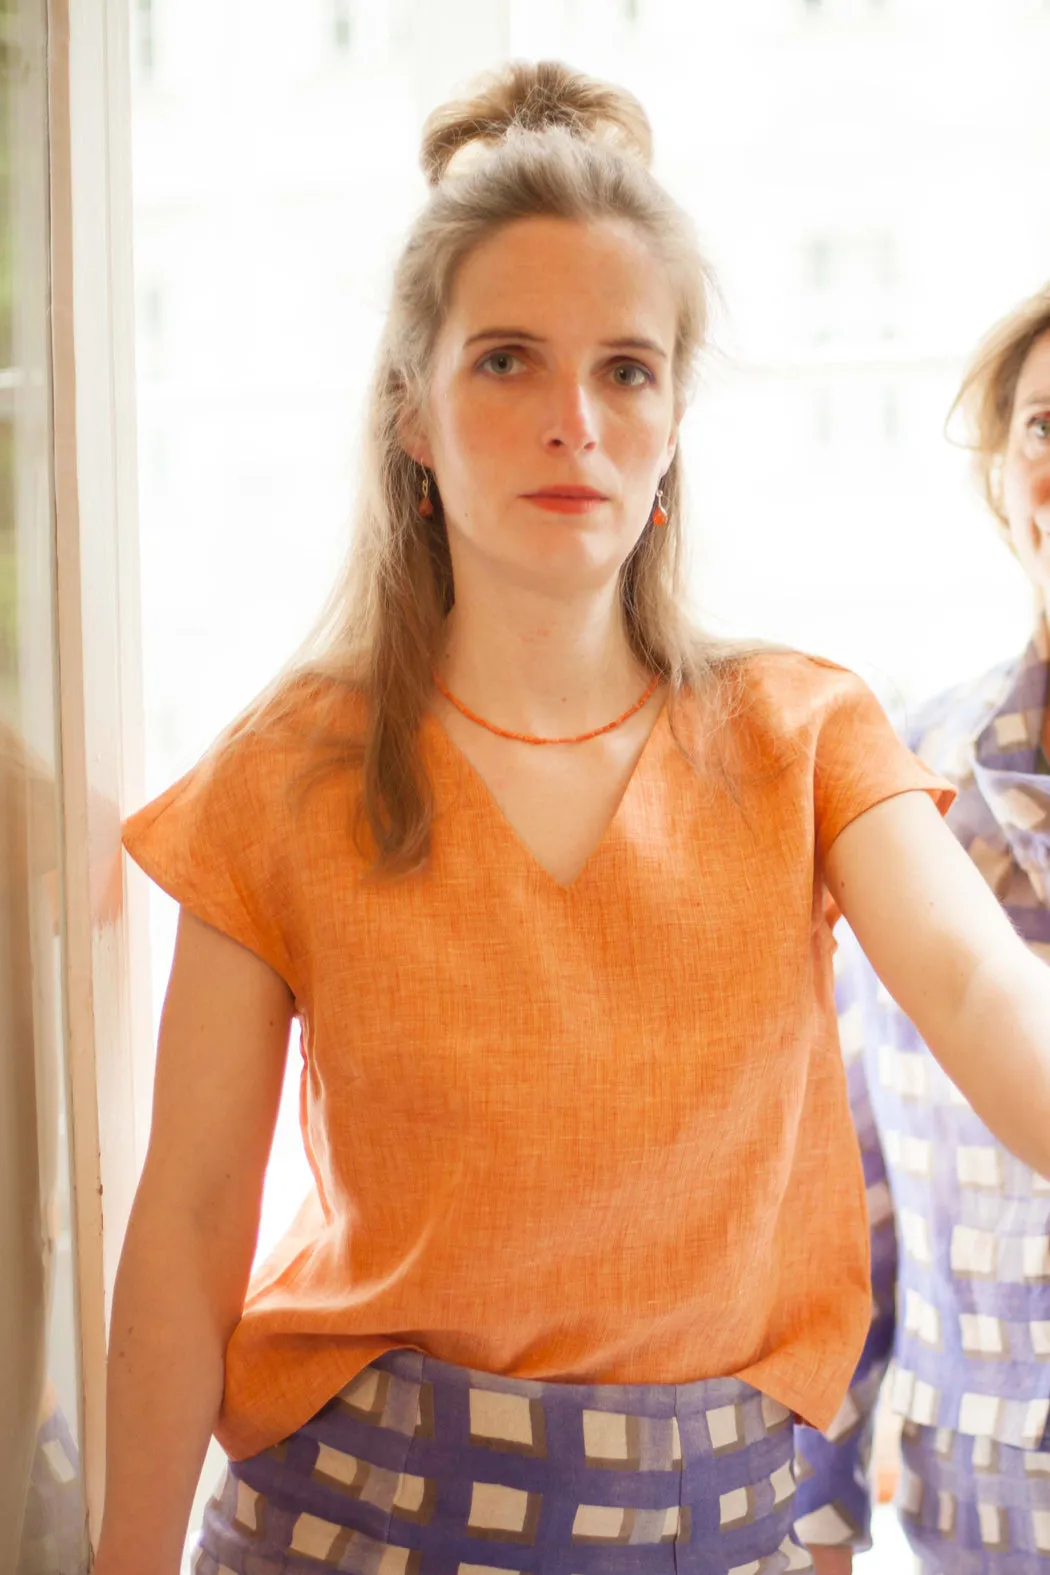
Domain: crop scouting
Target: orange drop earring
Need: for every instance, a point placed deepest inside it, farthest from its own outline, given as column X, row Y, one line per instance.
column 659, row 514
column 425, row 506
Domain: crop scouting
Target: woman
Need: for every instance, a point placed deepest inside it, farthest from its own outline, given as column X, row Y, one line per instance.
column 972, row 1347
column 547, row 878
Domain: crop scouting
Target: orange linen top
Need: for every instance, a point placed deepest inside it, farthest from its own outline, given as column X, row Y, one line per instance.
column 596, row 1133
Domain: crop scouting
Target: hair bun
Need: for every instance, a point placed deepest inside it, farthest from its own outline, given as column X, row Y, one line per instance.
column 525, row 97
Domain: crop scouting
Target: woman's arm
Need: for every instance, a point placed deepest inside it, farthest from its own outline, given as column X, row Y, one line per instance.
column 941, row 944
column 190, row 1242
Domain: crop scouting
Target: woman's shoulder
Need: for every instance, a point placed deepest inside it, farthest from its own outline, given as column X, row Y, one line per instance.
column 784, row 691
column 249, row 769
column 300, row 718
column 762, row 709
column 302, row 706
column 228, row 840
column 775, row 667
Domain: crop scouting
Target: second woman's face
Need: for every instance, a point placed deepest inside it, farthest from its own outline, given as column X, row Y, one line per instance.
column 551, row 413
column 1026, row 467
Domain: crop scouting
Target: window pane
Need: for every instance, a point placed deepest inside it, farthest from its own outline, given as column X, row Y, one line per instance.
column 42, row 1518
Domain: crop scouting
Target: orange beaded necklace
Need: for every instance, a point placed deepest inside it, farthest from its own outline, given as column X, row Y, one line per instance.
column 529, row 738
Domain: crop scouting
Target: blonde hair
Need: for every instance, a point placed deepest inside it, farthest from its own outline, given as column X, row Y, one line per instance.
column 529, row 140
column 989, row 386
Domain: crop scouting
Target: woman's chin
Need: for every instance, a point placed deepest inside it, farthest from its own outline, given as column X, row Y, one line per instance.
column 558, row 555
column 578, row 562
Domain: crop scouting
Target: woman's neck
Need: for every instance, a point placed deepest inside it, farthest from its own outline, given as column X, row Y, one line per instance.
column 541, row 667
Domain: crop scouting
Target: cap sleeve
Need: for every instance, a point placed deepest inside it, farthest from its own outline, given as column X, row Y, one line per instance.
column 217, row 841
column 859, row 761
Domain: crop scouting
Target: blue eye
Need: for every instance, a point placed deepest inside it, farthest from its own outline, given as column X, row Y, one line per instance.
column 501, row 362
column 631, row 374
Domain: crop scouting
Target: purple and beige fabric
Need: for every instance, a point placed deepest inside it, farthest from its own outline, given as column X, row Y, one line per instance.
column 960, row 1229
column 419, row 1467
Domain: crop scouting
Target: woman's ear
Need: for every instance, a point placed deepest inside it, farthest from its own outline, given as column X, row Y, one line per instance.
column 413, row 439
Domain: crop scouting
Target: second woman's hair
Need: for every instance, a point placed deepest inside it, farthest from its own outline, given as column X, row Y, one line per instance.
column 986, row 396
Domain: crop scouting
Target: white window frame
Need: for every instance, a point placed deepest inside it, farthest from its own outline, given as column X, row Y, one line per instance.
column 108, row 1029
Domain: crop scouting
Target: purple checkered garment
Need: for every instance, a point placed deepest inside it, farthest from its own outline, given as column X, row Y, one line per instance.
column 421, row 1468
column 971, row 1505
column 960, row 1229
column 54, row 1526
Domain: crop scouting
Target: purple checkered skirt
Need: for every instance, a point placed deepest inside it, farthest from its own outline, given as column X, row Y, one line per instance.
column 421, row 1468
column 972, row 1506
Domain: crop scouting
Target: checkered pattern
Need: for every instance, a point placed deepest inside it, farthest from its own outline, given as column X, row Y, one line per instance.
column 54, row 1528
column 972, row 1506
column 962, row 1284
column 421, row 1468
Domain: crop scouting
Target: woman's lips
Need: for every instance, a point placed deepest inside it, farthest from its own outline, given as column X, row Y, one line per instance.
column 567, row 500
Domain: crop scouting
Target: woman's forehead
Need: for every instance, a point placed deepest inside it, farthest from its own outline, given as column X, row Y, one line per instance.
column 556, row 275
column 1034, row 381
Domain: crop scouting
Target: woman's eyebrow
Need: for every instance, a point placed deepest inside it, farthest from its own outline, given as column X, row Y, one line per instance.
column 635, row 344
column 1031, row 401
column 523, row 336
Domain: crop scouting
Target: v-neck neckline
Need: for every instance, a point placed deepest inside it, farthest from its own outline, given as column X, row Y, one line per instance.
column 488, row 802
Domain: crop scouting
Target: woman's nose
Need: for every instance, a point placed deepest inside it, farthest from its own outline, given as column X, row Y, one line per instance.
column 572, row 419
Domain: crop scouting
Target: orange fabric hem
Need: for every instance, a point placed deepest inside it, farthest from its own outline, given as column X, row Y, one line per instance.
column 240, row 1438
